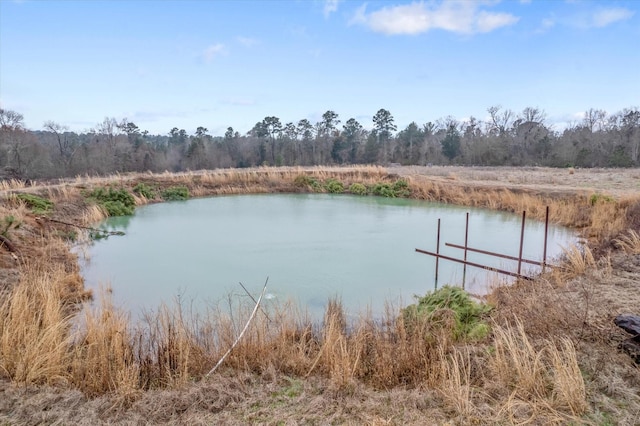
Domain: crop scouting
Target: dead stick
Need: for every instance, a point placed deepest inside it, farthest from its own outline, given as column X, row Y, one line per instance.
column 253, row 314
column 254, row 300
column 86, row 227
column 4, row 241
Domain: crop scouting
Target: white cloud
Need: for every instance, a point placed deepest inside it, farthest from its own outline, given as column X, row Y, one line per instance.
column 239, row 101
column 546, row 25
column 605, row 17
column 213, row 51
column 247, row 41
column 458, row 16
column 330, row 6
column 487, row 22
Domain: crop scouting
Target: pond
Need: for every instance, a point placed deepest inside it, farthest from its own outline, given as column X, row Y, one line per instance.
column 310, row 246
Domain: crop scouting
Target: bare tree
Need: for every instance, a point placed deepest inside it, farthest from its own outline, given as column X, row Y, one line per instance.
column 66, row 147
column 19, row 150
column 499, row 122
column 107, row 131
column 595, row 118
column 11, row 120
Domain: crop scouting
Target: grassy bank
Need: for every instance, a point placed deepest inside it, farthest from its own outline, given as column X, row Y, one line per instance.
column 541, row 360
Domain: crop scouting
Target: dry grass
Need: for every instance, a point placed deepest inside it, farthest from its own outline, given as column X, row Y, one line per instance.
column 455, row 382
column 577, row 260
column 12, row 184
column 629, row 243
column 102, row 358
column 35, row 328
column 536, row 383
column 93, row 214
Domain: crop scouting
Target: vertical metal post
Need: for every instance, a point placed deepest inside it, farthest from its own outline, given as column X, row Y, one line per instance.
column 437, row 252
column 466, row 244
column 524, row 215
column 546, row 233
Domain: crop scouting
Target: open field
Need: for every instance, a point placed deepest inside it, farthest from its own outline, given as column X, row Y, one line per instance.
column 551, row 356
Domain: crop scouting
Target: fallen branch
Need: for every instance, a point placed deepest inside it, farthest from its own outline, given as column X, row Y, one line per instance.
column 253, row 314
column 104, row 231
column 4, row 242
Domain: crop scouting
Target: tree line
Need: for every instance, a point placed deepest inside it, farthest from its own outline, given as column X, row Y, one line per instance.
column 506, row 138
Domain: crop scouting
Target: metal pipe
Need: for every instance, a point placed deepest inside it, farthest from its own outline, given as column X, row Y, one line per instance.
column 466, row 241
column 546, row 233
column 477, row 265
column 524, row 216
column 490, row 253
column 438, row 252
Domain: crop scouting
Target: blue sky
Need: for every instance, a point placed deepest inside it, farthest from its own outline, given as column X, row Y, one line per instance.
column 164, row 64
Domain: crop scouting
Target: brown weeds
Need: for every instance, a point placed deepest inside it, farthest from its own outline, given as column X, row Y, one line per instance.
column 578, row 260
column 536, row 382
column 629, row 243
column 102, row 354
column 35, row 328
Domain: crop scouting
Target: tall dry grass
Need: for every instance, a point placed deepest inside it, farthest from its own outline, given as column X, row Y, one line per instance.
column 629, row 242
column 577, row 260
column 12, row 184
column 102, row 358
column 536, row 382
column 455, row 383
column 35, row 327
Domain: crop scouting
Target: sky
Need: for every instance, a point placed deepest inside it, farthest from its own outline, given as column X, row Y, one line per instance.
column 220, row 64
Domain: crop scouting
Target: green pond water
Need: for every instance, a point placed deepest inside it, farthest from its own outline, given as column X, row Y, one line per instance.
column 311, row 246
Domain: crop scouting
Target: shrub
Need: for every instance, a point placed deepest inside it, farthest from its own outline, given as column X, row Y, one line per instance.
column 308, row 182
column 401, row 188
column 145, row 191
column 38, row 205
column 469, row 322
column 383, row 190
column 116, row 202
column 358, row 189
column 176, row 193
column 334, row 186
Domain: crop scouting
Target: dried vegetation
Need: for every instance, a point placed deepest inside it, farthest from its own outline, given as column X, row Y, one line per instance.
column 551, row 356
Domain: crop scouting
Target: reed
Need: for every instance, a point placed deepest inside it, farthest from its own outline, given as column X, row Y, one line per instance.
column 12, row 184
column 538, row 382
column 517, row 364
column 577, row 260
column 568, row 388
column 455, row 382
column 102, row 354
column 629, row 242
column 167, row 349
column 35, row 326
column 62, row 192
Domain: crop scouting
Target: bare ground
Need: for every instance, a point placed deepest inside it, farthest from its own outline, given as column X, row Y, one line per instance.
column 582, row 309
column 614, row 182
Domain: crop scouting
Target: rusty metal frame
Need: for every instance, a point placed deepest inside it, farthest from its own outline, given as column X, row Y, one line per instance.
column 466, row 249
